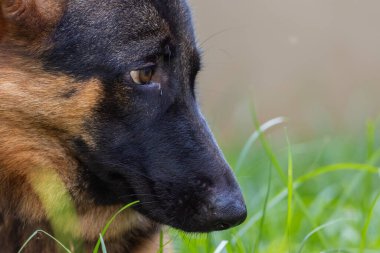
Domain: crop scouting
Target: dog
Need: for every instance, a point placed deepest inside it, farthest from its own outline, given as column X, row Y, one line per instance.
column 98, row 109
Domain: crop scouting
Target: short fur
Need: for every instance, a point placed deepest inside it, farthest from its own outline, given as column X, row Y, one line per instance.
column 74, row 129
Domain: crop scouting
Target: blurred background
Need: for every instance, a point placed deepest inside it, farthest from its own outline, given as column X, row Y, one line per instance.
column 315, row 62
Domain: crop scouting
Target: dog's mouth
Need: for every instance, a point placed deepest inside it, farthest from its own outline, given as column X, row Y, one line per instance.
column 196, row 204
column 192, row 205
column 201, row 217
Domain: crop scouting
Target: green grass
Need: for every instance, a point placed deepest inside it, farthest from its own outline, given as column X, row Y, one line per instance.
column 315, row 196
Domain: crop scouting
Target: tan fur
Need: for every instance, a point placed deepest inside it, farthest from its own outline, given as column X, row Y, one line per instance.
column 27, row 23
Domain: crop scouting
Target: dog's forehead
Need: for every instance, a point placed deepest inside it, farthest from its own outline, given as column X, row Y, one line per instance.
column 96, row 34
column 134, row 17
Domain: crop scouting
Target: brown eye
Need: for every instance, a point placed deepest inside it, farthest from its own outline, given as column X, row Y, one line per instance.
column 142, row 76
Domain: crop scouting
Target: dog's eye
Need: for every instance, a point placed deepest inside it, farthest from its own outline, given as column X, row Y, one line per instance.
column 143, row 76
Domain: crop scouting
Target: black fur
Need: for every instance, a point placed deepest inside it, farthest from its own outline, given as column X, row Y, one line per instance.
column 152, row 143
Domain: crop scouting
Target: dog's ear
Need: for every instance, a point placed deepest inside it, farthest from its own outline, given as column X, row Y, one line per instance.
column 29, row 19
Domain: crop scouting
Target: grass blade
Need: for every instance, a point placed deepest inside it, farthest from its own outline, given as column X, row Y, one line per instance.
column 221, row 246
column 104, row 250
column 337, row 167
column 367, row 223
column 251, row 140
column 290, row 195
column 161, row 249
column 371, row 135
column 269, row 152
column 330, row 223
column 104, row 231
column 264, row 211
column 47, row 234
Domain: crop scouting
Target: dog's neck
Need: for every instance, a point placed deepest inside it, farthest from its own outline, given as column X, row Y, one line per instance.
column 27, row 171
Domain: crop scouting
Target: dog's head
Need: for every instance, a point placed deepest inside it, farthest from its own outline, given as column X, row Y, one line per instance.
column 144, row 138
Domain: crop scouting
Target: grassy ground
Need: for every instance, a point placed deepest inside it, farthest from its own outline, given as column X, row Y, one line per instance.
column 317, row 196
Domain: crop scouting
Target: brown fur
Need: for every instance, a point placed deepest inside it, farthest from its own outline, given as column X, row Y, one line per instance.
column 28, row 23
column 39, row 113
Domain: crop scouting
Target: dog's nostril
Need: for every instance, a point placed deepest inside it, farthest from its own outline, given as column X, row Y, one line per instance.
column 222, row 226
column 226, row 221
column 226, row 211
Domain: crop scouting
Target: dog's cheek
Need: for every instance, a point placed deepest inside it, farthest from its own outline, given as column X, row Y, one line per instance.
column 48, row 103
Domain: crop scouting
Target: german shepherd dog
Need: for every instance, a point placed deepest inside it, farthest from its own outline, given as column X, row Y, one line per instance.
column 98, row 109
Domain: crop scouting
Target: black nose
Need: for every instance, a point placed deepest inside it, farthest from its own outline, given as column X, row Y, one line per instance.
column 227, row 210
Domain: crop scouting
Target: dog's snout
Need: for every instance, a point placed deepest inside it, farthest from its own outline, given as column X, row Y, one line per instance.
column 227, row 210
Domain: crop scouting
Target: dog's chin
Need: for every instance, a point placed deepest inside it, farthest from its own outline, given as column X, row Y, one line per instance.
column 192, row 218
column 195, row 224
column 186, row 224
